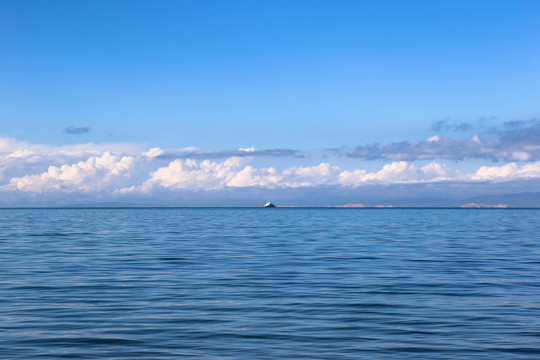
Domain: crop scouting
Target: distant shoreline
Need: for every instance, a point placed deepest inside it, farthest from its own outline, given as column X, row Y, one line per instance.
column 261, row 207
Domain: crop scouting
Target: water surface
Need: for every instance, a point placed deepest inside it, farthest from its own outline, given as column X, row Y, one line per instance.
column 269, row 283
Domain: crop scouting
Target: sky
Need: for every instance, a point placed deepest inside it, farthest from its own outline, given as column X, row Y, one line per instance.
column 240, row 102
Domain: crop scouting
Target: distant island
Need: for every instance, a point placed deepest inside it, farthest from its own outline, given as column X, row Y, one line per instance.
column 352, row 206
column 484, row 206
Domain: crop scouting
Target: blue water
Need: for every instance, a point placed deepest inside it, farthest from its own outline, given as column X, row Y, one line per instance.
column 269, row 284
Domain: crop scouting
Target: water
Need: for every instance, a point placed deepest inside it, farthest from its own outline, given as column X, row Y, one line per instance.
column 269, row 283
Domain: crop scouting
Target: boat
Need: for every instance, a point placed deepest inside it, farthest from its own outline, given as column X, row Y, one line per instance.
column 269, row 205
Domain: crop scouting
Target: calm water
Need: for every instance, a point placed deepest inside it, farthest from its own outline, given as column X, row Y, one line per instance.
column 269, row 284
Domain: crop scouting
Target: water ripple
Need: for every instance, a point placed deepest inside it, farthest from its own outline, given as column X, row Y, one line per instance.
column 279, row 284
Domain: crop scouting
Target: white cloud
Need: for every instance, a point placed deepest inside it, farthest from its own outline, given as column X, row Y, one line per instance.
column 12, row 148
column 250, row 176
column 91, row 175
column 153, row 152
column 322, row 174
column 192, row 174
column 19, row 159
column 399, row 172
column 507, row 172
column 130, row 169
column 234, row 172
column 251, row 149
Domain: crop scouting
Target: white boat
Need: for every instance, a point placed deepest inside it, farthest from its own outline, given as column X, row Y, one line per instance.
column 269, row 205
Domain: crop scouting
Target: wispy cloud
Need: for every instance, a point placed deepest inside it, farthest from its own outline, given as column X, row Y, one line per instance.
column 513, row 143
column 192, row 153
column 73, row 130
column 24, row 151
column 449, row 125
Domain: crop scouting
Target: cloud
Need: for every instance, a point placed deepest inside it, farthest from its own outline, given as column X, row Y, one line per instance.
column 195, row 175
column 515, row 143
column 448, row 125
column 398, row 173
column 235, row 172
column 507, row 172
column 92, row 175
column 194, row 153
column 129, row 170
column 190, row 174
column 519, row 124
column 72, row 130
column 20, row 158
column 24, row 151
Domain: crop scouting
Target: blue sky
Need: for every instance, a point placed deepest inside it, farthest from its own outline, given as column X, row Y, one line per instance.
column 355, row 85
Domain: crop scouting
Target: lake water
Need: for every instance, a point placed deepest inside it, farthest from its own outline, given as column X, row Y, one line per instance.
column 269, row 283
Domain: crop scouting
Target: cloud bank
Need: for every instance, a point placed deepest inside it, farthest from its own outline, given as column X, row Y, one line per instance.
column 127, row 170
